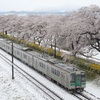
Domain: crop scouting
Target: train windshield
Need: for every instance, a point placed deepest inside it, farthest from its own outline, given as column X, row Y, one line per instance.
column 72, row 78
column 83, row 76
column 78, row 80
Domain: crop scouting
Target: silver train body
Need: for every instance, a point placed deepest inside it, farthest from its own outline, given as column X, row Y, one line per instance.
column 64, row 74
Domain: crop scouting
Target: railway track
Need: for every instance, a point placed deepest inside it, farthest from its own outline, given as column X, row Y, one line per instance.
column 85, row 96
column 42, row 87
column 91, row 95
column 81, row 96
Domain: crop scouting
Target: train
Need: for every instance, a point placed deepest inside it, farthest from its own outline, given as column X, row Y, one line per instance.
column 64, row 74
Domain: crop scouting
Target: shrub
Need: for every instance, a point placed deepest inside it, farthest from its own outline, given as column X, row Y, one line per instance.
column 58, row 53
column 41, row 49
column 50, row 51
column 95, row 66
column 91, row 75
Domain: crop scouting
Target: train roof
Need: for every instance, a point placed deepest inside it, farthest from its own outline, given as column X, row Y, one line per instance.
column 64, row 65
column 33, row 53
column 67, row 67
column 58, row 63
column 24, row 48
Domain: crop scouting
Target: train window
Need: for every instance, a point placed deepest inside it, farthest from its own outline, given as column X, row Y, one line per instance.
column 56, row 72
column 52, row 70
column 7, row 47
column 72, row 77
column 42, row 65
column 83, row 76
column 63, row 75
column 25, row 56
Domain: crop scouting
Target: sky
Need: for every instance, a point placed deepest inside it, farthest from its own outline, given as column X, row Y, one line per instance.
column 45, row 5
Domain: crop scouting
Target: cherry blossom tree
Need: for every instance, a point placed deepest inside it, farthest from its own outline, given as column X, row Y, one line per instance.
column 82, row 29
column 74, row 32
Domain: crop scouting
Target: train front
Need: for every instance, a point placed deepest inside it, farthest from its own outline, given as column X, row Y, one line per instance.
column 78, row 80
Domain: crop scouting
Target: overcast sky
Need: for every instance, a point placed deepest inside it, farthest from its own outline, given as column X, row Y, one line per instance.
column 45, row 5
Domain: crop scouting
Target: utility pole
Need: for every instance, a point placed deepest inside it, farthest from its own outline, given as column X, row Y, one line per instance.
column 55, row 49
column 12, row 62
column 3, row 33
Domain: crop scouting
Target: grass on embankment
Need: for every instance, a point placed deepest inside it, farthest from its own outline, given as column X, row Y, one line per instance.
column 92, row 69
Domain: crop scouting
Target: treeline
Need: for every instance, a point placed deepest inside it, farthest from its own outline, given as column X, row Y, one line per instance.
column 74, row 32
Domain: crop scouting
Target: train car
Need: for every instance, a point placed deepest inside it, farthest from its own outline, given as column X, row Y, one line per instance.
column 72, row 78
column 62, row 73
column 27, row 58
column 1, row 44
column 17, row 51
column 41, row 65
column 6, row 45
column 65, row 74
column 22, row 54
column 34, row 60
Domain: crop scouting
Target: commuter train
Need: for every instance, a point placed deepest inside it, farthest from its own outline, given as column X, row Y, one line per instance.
column 66, row 75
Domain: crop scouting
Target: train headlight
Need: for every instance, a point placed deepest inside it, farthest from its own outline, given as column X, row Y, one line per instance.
column 83, row 76
column 82, row 73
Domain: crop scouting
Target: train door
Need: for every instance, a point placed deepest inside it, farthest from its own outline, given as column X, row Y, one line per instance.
column 47, row 70
column 63, row 79
column 78, row 80
column 35, row 64
column 30, row 60
column 33, row 61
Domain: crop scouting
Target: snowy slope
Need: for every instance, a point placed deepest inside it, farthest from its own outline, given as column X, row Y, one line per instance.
column 17, row 89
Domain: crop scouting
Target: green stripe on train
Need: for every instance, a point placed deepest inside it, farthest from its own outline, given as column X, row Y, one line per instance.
column 83, row 83
column 73, row 84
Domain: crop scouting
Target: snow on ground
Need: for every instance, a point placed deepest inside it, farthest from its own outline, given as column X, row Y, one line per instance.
column 17, row 89
column 94, row 87
column 10, row 90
